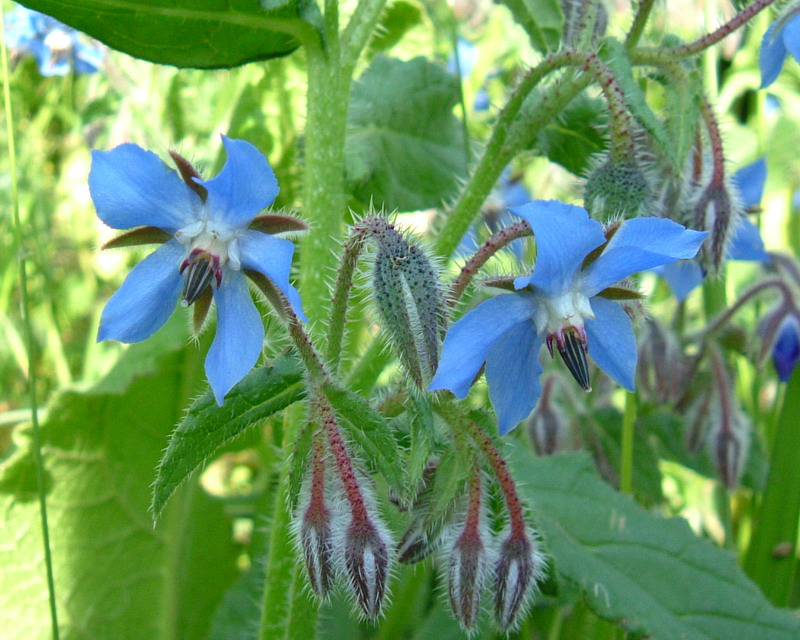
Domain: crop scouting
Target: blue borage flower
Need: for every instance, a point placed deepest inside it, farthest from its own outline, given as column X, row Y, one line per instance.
column 56, row 47
column 211, row 240
column 782, row 37
column 561, row 303
column 685, row 276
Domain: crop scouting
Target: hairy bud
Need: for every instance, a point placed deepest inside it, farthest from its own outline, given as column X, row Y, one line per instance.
column 714, row 210
column 410, row 302
column 366, row 559
column 466, row 560
column 517, row 569
column 315, row 540
column 661, row 365
column 546, row 425
column 422, row 535
column 617, row 190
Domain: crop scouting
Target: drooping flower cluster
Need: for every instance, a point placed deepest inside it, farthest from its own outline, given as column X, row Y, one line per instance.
column 211, row 238
column 569, row 302
column 56, row 47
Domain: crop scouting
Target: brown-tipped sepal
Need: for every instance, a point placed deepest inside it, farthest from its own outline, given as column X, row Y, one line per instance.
column 189, row 174
column 137, row 237
column 277, row 223
column 316, row 543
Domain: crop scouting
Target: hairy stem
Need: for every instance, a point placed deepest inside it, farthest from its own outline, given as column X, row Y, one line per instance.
column 639, row 22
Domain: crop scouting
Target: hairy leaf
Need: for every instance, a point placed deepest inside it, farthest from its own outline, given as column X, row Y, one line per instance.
column 206, row 34
column 652, row 574
column 115, row 573
column 370, row 431
column 576, row 135
column 404, row 148
column 207, row 426
column 543, row 20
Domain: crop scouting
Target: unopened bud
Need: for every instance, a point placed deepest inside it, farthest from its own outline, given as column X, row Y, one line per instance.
column 518, row 568
column 617, row 190
column 546, row 425
column 697, row 421
column 366, row 558
column 466, row 570
column 781, row 333
column 315, row 540
column 410, row 302
column 730, row 449
column 660, row 365
column 714, row 210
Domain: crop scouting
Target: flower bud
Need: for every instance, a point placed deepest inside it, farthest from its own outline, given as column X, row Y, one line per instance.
column 546, row 425
column 660, row 365
column 366, row 559
column 466, row 570
column 410, row 301
column 780, row 332
column 466, row 560
column 315, row 540
column 518, row 567
column 617, row 190
column 422, row 535
column 714, row 210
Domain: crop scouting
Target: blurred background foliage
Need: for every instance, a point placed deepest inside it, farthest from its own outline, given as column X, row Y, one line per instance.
column 58, row 120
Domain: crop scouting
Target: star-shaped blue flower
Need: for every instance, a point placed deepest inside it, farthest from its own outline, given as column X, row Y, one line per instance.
column 209, row 247
column 685, row 276
column 56, row 47
column 782, row 37
column 561, row 303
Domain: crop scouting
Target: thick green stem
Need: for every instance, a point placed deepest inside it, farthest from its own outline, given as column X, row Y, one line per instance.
column 498, row 153
column 639, row 22
column 29, row 341
column 324, row 199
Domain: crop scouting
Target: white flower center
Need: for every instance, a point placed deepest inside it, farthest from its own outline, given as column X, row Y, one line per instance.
column 567, row 310
column 215, row 238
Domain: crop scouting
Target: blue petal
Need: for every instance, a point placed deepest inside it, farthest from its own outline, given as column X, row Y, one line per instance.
column 749, row 180
column 771, row 55
column 612, row 344
column 239, row 337
column 746, row 243
column 683, row 277
column 273, row 257
column 244, row 187
column 786, row 351
column 791, row 36
column 468, row 342
column 88, row 57
column 514, row 193
column 132, row 187
column 297, row 304
column 564, row 235
column 639, row 244
column 512, row 372
column 146, row 299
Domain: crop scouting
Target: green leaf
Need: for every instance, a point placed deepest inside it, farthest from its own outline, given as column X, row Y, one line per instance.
column 398, row 18
column 116, row 576
column 370, row 431
column 651, row 574
column 775, row 524
column 543, row 20
column 206, row 34
column 421, row 433
column 404, row 148
column 207, row 426
column 682, row 110
column 576, row 135
column 614, row 54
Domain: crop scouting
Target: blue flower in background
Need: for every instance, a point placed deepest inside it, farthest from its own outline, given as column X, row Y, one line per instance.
column 467, row 59
column 208, row 243
column 782, row 37
column 786, row 351
column 56, row 46
column 561, row 303
column 685, row 276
